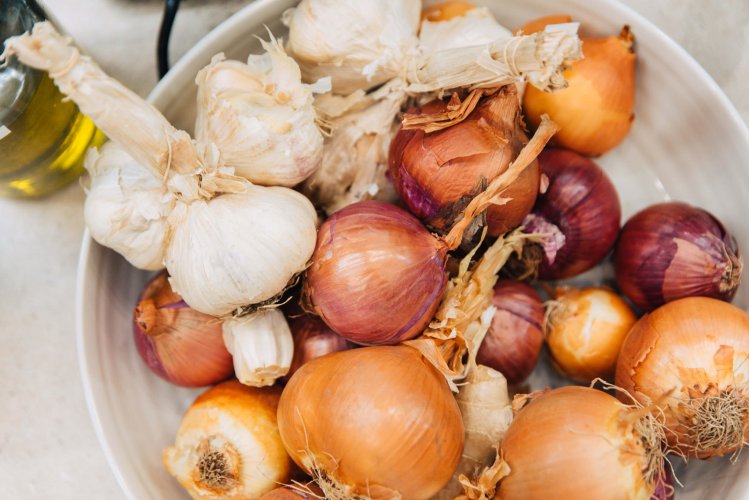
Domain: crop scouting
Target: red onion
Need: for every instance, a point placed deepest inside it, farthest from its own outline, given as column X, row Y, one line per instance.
column 513, row 343
column 436, row 173
column 673, row 250
column 377, row 275
column 312, row 339
column 579, row 212
column 177, row 343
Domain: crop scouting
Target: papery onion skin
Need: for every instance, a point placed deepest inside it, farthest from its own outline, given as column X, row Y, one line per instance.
column 596, row 110
column 378, row 421
column 436, row 173
column 228, row 444
column 513, row 343
column 580, row 204
column 573, row 442
column 673, row 250
column 177, row 343
column 585, row 329
column 681, row 352
column 377, row 275
column 313, row 339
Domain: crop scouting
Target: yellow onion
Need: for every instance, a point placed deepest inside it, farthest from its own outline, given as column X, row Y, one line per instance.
column 294, row 492
column 178, row 343
column 376, row 422
column 446, row 10
column 577, row 442
column 228, row 444
column 436, row 173
column 595, row 111
column 690, row 357
column 585, row 329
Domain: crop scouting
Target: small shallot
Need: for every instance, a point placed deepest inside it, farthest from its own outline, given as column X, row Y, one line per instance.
column 313, row 339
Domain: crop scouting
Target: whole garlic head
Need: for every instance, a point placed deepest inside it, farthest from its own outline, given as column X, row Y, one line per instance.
column 358, row 43
column 260, row 115
column 127, row 206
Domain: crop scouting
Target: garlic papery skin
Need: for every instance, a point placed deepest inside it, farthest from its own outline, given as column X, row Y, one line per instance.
column 240, row 248
column 262, row 346
column 476, row 27
column 358, row 43
column 127, row 206
column 228, row 444
column 261, row 117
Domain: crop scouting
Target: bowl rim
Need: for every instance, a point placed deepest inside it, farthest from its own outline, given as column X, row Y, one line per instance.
column 235, row 21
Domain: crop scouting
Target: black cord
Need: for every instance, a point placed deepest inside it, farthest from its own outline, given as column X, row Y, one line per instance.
column 162, row 48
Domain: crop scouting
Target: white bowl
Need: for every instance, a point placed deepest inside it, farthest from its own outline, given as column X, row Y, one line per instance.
column 687, row 143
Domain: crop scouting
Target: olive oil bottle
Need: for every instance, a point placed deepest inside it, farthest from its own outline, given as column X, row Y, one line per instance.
column 43, row 138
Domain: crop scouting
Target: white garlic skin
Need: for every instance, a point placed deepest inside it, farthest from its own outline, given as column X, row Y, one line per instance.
column 476, row 27
column 358, row 43
column 261, row 345
column 127, row 206
column 261, row 117
column 239, row 249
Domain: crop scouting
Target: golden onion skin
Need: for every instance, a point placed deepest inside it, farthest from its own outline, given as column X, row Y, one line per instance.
column 572, row 443
column 685, row 350
column 377, row 421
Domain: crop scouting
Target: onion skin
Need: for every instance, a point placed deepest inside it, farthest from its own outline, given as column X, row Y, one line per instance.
column 683, row 351
column 313, row 339
column 178, row 343
column 570, row 443
column 377, row 276
column 582, row 205
column 293, row 493
column 377, row 421
column 514, row 340
column 596, row 110
column 446, row 10
column 672, row 250
column 436, row 173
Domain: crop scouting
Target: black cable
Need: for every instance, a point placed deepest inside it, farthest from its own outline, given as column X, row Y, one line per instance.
column 162, row 48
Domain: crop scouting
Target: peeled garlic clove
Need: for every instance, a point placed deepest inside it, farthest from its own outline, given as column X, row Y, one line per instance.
column 358, row 43
column 261, row 345
column 240, row 248
column 260, row 116
column 127, row 206
column 228, row 444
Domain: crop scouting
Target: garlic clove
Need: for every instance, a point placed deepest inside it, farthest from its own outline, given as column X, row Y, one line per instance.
column 261, row 345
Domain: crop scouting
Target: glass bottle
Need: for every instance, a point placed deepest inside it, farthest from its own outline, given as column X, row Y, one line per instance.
column 43, row 139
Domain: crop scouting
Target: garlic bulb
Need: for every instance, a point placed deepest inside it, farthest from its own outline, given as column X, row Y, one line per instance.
column 476, row 27
column 358, row 43
column 127, row 206
column 261, row 345
column 260, row 116
column 228, row 444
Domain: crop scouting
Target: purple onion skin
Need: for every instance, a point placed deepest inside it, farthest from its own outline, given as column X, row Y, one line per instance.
column 581, row 210
column 664, row 487
column 377, row 275
column 673, row 250
column 148, row 353
column 513, row 343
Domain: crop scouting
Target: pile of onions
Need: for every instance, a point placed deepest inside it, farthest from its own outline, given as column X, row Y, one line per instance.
column 437, row 173
column 312, row 339
column 178, row 343
column 585, row 329
column 577, row 442
column 578, row 214
column 514, row 340
column 673, row 250
column 595, row 111
column 376, row 422
column 689, row 356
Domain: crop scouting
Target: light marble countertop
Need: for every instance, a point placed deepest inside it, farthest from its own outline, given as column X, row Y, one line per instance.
column 47, row 444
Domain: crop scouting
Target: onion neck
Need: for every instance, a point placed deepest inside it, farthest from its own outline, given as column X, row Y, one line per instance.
column 731, row 276
column 218, row 467
column 146, row 317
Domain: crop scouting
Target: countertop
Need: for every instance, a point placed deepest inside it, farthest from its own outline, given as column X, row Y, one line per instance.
column 47, row 444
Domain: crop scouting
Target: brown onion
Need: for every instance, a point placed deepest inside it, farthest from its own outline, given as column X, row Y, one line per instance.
column 178, row 343
column 436, row 173
column 312, row 339
column 295, row 492
column 514, row 340
column 577, row 442
column 379, row 422
column 690, row 357
column 579, row 213
column 673, row 250
column 595, row 111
